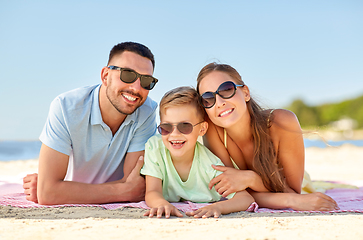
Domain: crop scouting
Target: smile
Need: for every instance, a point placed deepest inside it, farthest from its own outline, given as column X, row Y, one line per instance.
column 225, row 113
column 177, row 144
column 130, row 98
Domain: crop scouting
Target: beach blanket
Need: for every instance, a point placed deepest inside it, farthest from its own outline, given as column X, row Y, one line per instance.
column 349, row 200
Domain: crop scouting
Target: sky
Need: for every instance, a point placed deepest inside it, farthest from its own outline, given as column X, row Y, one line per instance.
column 284, row 50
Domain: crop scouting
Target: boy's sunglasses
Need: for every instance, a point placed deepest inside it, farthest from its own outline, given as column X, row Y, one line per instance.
column 225, row 90
column 129, row 76
column 183, row 127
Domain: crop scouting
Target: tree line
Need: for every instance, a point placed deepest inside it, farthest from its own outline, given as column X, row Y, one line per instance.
column 322, row 115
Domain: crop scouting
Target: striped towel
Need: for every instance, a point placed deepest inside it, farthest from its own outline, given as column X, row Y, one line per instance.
column 349, row 200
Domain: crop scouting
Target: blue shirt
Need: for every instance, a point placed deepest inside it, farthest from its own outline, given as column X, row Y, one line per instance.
column 75, row 127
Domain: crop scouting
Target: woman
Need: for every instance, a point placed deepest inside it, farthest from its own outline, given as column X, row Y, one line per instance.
column 263, row 150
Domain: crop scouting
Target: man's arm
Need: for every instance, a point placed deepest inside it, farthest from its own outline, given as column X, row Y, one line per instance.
column 52, row 189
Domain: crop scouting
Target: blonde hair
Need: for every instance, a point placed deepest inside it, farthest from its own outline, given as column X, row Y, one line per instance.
column 181, row 96
column 265, row 158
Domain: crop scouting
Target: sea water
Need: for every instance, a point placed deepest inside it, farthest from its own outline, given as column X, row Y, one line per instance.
column 19, row 150
column 23, row 150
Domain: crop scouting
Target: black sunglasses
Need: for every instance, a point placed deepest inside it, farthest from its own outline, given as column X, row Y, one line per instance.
column 128, row 75
column 225, row 90
column 183, row 127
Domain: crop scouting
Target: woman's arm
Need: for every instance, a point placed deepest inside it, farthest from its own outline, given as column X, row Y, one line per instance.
column 287, row 138
column 234, row 180
column 231, row 180
column 298, row 202
column 155, row 200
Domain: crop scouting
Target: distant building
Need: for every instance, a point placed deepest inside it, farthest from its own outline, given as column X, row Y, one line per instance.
column 345, row 125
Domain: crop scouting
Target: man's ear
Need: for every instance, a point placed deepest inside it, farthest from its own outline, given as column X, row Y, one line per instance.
column 104, row 75
column 246, row 93
column 203, row 129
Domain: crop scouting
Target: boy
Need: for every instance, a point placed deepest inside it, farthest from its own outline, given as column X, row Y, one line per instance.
column 179, row 168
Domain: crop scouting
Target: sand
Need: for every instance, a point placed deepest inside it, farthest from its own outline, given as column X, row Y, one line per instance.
column 343, row 163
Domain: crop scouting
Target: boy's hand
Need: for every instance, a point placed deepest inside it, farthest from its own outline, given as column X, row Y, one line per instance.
column 206, row 212
column 168, row 209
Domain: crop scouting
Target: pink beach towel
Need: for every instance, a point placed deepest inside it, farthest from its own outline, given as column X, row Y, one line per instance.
column 349, row 200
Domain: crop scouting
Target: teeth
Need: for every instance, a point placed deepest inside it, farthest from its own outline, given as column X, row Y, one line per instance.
column 224, row 113
column 129, row 97
column 177, row 142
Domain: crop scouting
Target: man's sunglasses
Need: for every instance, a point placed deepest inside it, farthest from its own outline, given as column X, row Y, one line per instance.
column 129, row 76
column 225, row 90
column 183, row 127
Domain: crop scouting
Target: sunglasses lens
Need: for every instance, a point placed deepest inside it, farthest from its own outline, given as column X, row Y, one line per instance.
column 165, row 129
column 208, row 99
column 185, row 128
column 227, row 90
column 147, row 82
column 128, row 76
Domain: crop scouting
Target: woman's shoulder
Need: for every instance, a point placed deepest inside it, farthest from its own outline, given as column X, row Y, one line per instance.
column 284, row 119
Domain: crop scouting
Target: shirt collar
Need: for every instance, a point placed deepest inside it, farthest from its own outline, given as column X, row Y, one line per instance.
column 96, row 117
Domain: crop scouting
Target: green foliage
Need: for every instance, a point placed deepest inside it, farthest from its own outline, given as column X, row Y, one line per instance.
column 313, row 116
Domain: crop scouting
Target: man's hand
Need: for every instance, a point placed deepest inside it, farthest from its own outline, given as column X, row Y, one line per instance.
column 136, row 182
column 30, row 187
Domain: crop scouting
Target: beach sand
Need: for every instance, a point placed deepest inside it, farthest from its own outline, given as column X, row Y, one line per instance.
column 343, row 163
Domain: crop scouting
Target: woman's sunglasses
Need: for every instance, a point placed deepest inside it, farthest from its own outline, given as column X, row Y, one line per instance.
column 183, row 127
column 129, row 76
column 225, row 90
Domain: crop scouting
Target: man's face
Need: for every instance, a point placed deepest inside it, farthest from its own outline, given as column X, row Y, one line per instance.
column 126, row 98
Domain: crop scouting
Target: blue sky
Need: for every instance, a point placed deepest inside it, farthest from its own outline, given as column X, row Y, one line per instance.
column 283, row 49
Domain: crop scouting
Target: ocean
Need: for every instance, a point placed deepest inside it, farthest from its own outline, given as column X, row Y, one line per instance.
column 19, row 150
column 23, row 150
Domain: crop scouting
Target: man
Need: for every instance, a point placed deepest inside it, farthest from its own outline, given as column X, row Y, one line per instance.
column 94, row 137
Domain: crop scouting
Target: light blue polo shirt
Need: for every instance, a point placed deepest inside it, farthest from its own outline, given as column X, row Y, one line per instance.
column 75, row 127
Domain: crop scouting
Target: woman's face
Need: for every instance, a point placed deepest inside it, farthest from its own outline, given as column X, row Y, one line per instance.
column 225, row 112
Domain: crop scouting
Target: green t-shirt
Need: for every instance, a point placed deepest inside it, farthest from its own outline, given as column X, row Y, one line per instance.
column 158, row 163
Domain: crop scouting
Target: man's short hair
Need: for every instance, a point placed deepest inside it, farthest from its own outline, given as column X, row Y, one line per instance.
column 137, row 48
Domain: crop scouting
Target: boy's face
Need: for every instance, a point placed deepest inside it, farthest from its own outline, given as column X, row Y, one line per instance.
column 181, row 146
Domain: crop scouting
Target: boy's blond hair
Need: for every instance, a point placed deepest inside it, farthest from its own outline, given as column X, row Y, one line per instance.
column 181, row 96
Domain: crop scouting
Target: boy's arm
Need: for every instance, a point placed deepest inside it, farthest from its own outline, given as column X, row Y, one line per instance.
column 155, row 200
column 52, row 189
column 240, row 202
